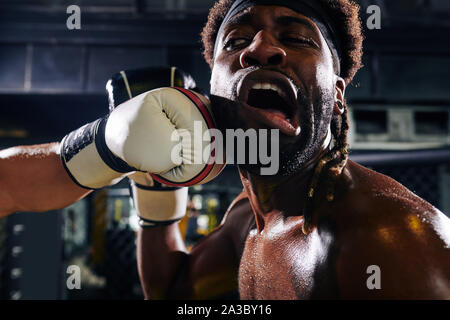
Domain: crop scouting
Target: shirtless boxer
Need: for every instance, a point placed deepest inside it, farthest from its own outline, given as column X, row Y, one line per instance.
column 305, row 233
column 312, row 230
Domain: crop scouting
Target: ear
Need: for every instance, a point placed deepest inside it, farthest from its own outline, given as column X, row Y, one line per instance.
column 339, row 93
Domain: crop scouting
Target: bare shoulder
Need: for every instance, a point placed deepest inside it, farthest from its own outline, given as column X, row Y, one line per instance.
column 385, row 201
column 392, row 216
column 379, row 209
column 387, row 225
column 380, row 195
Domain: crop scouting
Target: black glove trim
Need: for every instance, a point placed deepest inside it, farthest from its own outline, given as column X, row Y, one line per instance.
column 73, row 143
column 107, row 156
column 157, row 187
column 157, row 223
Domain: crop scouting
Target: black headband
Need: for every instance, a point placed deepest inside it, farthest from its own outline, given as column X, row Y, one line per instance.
column 310, row 8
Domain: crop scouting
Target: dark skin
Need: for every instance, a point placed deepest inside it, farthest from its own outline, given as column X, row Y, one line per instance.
column 260, row 246
column 208, row 271
column 373, row 220
column 33, row 178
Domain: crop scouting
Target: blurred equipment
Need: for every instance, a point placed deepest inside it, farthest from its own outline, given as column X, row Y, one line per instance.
column 399, row 126
column 31, row 264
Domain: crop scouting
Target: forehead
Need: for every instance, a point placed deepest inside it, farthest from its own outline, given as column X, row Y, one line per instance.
column 261, row 15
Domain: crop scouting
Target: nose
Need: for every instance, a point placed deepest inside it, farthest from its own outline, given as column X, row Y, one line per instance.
column 263, row 51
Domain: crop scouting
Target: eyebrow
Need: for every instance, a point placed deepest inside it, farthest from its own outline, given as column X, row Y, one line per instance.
column 289, row 20
column 246, row 18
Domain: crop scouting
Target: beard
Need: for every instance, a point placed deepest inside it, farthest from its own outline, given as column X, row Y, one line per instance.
column 314, row 114
column 293, row 157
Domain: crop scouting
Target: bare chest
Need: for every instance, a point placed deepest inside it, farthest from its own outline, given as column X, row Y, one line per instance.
column 289, row 265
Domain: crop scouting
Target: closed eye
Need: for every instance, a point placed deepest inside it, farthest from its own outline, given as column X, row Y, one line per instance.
column 235, row 43
column 300, row 41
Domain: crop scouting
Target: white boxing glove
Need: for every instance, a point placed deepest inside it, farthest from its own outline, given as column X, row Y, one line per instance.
column 164, row 132
column 156, row 203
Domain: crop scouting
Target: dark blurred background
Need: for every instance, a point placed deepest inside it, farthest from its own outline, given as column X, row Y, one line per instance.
column 52, row 80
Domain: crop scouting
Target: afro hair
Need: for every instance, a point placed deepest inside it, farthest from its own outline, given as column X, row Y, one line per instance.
column 345, row 15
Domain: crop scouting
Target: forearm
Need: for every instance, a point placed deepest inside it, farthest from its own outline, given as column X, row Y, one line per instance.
column 161, row 255
column 168, row 271
column 32, row 178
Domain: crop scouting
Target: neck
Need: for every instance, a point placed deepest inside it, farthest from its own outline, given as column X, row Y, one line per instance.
column 286, row 195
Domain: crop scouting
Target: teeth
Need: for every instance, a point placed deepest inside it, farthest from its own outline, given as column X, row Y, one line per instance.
column 268, row 86
column 281, row 93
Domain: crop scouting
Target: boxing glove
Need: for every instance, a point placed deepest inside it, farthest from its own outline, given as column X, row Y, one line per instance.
column 126, row 84
column 165, row 132
column 156, row 203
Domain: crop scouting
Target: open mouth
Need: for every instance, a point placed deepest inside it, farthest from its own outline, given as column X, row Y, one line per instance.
column 270, row 98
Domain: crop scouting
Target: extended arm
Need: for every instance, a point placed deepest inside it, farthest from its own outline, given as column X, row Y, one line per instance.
column 32, row 178
column 134, row 136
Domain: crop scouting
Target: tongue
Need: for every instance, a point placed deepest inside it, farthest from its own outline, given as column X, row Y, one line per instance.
column 266, row 99
column 277, row 113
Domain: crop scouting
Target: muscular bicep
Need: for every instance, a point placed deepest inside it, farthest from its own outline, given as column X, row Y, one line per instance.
column 32, row 178
column 168, row 270
column 208, row 271
column 214, row 262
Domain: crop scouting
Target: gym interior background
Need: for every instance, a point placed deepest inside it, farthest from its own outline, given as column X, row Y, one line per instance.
column 52, row 80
